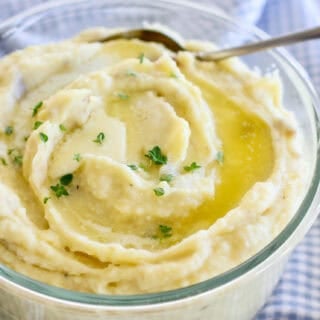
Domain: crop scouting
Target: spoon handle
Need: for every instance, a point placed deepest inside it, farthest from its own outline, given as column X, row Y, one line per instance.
column 308, row 34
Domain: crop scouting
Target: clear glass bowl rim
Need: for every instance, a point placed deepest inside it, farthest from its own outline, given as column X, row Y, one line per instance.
column 42, row 290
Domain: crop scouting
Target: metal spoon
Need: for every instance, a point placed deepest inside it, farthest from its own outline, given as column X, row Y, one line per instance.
column 175, row 46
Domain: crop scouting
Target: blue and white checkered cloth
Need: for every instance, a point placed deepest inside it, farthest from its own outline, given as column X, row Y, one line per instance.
column 297, row 296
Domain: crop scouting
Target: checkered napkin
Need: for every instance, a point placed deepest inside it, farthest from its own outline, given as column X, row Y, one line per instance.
column 297, row 296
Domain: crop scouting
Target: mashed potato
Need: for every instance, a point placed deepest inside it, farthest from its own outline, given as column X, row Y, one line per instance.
column 124, row 170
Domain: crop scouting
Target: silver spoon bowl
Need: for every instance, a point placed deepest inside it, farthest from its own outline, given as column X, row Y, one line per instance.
column 173, row 45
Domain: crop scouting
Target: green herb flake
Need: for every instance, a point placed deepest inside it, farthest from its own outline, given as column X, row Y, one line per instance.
column 193, row 166
column 8, row 131
column 37, row 124
column 156, row 156
column 62, row 127
column 15, row 156
column 144, row 167
column 173, row 75
column 18, row 160
column 165, row 231
column 133, row 167
column 46, row 199
column 26, row 138
column 166, row 177
column 131, row 73
column 43, row 137
column 141, row 57
column 123, row 96
column 220, row 157
column 158, row 192
column 100, row 138
column 36, row 108
column 3, row 161
column 77, row 157
column 59, row 190
column 66, row 179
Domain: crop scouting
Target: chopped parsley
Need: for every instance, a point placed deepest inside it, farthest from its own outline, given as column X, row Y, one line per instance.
column 100, row 138
column 36, row 108
column 15, row 156
column 9, row 130
column 158, row 192
column 43, row 137
column 144, row 167
column 62, row 127
column 193, row 166
column 18, row 160
column 156, row 156
column 141, row 57
column 37, row 124
column 66, row 179
column 133, row 167
column 165, row 231
column 77, row 157
column 45, row 200
column 26, row 138
column 59, row 190
column 173, row 75
column 166, row 177
column 220, row 157
column 3, row 161
column 131, row 73
column 123, row 96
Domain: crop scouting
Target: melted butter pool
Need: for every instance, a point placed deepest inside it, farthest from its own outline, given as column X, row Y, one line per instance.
column 248, row 158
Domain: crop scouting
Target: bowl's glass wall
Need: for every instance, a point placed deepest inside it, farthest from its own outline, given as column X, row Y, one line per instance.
column 66, row 18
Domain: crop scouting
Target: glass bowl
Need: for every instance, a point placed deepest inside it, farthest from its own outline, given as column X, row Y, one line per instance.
column 236, row 294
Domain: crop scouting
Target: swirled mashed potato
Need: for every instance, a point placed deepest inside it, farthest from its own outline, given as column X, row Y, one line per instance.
column 123, row 170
